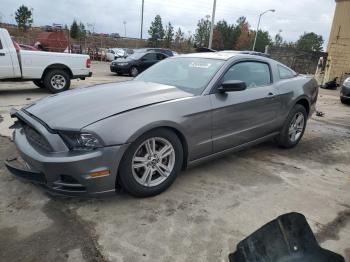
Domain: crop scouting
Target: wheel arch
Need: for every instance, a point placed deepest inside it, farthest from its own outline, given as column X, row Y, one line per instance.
column 170, row 126
column 304, row 102
column 57, row 66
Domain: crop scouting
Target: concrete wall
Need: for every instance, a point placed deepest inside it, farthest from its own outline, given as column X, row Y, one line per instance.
column 300, row 61
column 338, row 62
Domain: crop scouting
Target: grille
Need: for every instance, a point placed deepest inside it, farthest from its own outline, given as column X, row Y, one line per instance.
column 35, row 138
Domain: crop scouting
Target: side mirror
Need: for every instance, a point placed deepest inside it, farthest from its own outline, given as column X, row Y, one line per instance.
column 232, row 85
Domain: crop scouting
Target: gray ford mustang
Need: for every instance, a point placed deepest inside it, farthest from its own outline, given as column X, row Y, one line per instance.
column 139, row 134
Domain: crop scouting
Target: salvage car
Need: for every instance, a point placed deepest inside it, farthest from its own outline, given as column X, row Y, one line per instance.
column 345, row 91
column 136, row 63
column 115, row 53
column 50, row 70
column 140, row 134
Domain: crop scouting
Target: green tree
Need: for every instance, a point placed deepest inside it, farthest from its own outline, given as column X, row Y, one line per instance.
column 263, row 39
column 241, row 20
column 156, row 31
column 179, row 36
column 24, row 17
column 229, row 34
column 82, row 31
column 74, row 30
column 169, row 35
column 310, row 42
column 201, row 37
column 278, row 39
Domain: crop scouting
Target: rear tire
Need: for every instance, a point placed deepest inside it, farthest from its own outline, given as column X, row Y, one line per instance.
column 39, row 83
column 145, row 169
column 57, row 81
column 293, row 128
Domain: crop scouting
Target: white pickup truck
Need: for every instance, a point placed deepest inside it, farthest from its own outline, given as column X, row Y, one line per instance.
column 46, row 69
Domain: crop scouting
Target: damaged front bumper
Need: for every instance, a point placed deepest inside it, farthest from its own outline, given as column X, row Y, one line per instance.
column 62, row 171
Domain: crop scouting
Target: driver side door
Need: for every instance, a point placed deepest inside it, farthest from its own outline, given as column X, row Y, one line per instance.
column 148, row 60
column 243, row 116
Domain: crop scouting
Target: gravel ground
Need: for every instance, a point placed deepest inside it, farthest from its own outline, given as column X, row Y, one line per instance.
column 202, row 217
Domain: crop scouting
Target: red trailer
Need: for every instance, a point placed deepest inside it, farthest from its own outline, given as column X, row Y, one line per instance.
column 52, row 41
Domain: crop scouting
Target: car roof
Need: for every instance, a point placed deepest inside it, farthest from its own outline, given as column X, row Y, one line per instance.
column 150, row 52
column 226, row 55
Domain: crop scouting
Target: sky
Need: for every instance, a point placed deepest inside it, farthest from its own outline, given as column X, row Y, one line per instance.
column 293, row 18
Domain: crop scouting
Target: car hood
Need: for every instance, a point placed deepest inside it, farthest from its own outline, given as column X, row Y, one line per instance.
column 75, row 109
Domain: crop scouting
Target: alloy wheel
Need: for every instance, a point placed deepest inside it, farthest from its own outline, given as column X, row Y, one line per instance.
column 153, row 161
column 58, row 82
column 296, row 127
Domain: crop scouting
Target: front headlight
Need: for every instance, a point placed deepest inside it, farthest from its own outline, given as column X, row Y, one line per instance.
column 80, row 141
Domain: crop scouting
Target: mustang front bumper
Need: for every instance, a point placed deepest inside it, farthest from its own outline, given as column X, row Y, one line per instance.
column 67, row 172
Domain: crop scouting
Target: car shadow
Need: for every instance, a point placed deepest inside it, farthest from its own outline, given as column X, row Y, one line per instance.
column 24, row 91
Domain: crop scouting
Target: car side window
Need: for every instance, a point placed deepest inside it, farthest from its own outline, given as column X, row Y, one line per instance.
column 254, row 74
column 284, row 72
column 160, row 57
column 150, row 57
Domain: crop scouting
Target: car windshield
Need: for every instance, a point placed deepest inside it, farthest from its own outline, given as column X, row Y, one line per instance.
column 189, row 74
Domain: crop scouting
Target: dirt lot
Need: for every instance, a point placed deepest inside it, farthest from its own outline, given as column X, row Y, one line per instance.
column 207, row 211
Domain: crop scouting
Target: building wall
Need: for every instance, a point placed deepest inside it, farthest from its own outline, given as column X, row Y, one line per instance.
column 303, row 62
column 338, row 62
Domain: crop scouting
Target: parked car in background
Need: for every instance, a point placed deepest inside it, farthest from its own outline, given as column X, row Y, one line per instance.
column 139, row 134
column 50, row 70
column 28, row 47
column 165, row 51
column 136, row 63
column 128, row 51
column 345, row 91
column 115, row 53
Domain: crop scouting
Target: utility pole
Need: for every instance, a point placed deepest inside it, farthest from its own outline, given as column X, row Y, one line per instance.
column 124, row 22
column 212, row 24
column 143, row 3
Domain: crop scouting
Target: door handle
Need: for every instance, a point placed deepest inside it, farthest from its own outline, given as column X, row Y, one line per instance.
column 2, row 54
column 271, row 95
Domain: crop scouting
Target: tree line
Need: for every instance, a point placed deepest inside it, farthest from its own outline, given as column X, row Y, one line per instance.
column 236, row 36
column 226, row 36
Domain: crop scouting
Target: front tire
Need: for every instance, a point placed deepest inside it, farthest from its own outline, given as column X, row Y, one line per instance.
column 134, row 71
column 57, row 81
column 293, row 128
column 152, row 163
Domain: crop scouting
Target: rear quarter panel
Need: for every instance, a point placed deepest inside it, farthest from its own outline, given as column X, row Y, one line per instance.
column 294, row 89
